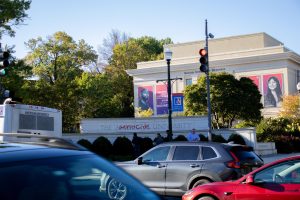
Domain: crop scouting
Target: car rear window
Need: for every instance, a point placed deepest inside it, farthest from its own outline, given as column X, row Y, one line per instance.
column 244, row 153
column 208, row 153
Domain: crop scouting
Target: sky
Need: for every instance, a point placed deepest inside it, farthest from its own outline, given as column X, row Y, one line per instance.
column 182, row 21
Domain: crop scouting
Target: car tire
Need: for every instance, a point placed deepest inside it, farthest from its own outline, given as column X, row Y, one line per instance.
column 116, row 190
column 206, row 198
column 200, row 182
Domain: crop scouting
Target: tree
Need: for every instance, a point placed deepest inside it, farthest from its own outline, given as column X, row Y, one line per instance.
column 18, row 74
column 98, row 96
column 230, row 99
column 114, row 38
column 290, row 107
column 57, row 64
column 12, row 13
column 125, row 56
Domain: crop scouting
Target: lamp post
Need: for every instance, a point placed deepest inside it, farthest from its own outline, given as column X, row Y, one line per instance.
column 168, row 57
column 298, row 88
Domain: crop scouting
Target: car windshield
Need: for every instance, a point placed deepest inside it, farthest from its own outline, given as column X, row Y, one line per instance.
column 65, row 178
column 286, row 172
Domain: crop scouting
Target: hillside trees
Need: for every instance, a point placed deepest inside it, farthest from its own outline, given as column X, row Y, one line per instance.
column 230, row 99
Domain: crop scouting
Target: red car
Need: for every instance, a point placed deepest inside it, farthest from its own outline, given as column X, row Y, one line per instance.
column 278, row 180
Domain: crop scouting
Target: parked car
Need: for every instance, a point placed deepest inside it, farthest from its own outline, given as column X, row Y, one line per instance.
column 274, row 181
column 44, row 168
column 172, row 168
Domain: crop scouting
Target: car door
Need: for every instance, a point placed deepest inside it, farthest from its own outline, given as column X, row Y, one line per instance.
column 273, row 183
column 152, row 171
column 183, row 165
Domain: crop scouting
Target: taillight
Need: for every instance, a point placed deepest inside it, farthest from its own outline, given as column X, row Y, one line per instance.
column 234, row 163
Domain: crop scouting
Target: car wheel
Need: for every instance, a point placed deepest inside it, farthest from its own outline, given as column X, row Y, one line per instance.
column 200, row 182
column 116, row 190
column 206, row 198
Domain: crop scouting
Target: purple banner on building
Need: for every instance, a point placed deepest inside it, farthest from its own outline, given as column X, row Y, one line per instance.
column 161, row 100
column 145, row 95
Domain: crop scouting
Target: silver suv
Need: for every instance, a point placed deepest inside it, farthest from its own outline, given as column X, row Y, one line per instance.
column 174, row 167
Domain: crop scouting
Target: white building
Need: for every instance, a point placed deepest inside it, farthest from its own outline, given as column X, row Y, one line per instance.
column 257, row 56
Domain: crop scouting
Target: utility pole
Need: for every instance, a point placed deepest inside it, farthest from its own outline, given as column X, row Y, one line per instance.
column 205, row 68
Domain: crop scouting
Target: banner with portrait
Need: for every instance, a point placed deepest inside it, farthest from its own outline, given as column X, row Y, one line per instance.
column 145, row 97
column 272, row 90
column 161, row 99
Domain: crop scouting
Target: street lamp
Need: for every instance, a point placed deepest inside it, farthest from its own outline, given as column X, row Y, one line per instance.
column 168, row 57
column 298, row 87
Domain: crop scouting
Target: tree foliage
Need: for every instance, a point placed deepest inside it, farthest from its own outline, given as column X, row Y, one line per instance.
column 114, row 38
column 230, row 99
column 12, row 14
column 56, row 64
column 125, row 56
column 290, row 107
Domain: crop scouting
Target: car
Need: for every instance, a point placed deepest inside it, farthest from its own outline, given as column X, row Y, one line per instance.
column 38, row 167
column 274, row 181
column 172, row 168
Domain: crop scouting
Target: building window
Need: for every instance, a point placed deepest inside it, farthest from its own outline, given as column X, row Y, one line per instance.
column 188, row 81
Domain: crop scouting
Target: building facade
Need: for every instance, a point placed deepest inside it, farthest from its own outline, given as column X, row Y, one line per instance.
column 273, row 68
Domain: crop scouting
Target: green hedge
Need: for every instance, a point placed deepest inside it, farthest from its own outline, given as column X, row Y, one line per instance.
column 283, row 131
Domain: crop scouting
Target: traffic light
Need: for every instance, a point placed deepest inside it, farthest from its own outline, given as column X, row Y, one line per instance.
column 203, row 60
column 4, row 62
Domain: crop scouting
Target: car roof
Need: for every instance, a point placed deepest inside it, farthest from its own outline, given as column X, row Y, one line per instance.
column 19, row 147
column 205, row 143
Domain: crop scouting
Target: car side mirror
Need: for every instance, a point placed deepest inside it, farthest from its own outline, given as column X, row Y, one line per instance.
column 139, row 161
column 249, row 180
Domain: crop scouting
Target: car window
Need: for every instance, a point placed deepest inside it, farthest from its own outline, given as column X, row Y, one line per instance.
column 158, row 154
column 186, row 153
column 245, row 153
column 287, row 172
column 67, row 178
column 208, row 153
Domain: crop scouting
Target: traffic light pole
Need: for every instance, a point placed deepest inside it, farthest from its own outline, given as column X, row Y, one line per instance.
column 208, row 86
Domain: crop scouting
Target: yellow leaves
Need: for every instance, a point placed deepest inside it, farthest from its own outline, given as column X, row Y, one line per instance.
column 143, row 113
column 290, row 106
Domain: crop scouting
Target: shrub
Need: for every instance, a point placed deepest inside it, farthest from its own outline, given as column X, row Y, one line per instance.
column 269, row 129
column 102, row 146
column 180, row 138
column 237, row 139
column 122, row 146
column 85, row 143
column 283, row 144
column 245, row 124
column 203, row 137
column 146, row 144
column 218, row 138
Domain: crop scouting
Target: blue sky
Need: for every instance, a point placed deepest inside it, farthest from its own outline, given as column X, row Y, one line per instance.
column 182, row 21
